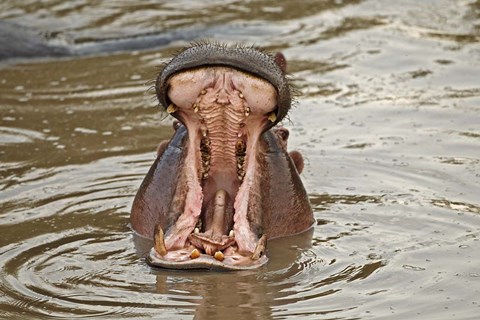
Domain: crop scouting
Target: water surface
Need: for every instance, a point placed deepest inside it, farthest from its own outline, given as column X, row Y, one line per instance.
column 388, row 119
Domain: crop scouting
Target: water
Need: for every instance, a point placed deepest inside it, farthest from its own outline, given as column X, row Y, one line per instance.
column 388, row 119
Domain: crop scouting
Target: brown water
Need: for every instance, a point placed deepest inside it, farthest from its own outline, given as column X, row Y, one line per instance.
column 388, row 121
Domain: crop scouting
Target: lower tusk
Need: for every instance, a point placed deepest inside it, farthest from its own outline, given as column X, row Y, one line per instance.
column 195, row 254
column 158, row 240
column 260, row 248
column 219, row 256
column 231, row 233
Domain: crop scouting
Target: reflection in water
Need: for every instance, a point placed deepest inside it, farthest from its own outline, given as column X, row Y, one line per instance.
column 291, row 259
column 387, row 121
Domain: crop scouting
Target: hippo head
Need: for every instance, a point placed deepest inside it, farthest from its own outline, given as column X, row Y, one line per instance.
column 224, row 183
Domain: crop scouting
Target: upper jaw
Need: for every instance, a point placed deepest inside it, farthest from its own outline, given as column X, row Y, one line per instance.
column 225, row 112
column 248, row 59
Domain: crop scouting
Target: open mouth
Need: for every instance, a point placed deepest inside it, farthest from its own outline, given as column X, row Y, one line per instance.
column 225, row 181
column 219, row 220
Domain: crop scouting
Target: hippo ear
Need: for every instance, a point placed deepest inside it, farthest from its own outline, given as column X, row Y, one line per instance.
column 281, row 61
column 284, row 105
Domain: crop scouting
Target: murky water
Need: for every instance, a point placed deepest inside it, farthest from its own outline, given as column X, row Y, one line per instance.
column 388, row 121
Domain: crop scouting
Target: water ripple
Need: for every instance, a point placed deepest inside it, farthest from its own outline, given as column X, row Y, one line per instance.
column 82, row 269
column 387, row 122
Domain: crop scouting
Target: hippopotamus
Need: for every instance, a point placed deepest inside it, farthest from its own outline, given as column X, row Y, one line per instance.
column 18, row 42
column 225, row 183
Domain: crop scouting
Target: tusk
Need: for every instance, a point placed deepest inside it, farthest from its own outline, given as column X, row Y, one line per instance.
column 272, row 116
column 260, row 248
column 158, row 240
column 171, row 108
column 219, row 256
column 195, row 254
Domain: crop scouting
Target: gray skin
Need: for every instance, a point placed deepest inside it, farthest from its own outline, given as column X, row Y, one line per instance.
column 278, row 204
column 18, row 42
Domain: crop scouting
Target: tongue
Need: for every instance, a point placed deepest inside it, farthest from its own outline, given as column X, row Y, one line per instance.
column 217, row 225
column 218, row 218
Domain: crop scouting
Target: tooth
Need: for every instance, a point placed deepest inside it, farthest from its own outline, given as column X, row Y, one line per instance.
column 272, row 116
column 219, row 256
column 158, row 240
column 241, row 95
column 171, row 108
column 260, row 248
column 196, row 230
column 195, row 254
column 205, row 141
column 231, row 233
column 240, row 146
column 203, row 92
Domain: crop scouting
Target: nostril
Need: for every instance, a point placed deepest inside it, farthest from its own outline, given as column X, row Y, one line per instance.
column 283, row 133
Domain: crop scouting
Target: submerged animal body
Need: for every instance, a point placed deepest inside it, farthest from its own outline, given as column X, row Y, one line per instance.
column 225, row 182
column 18, row 43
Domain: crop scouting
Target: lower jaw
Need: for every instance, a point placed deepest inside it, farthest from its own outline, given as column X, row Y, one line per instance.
column 211, row 249
column 182, row 260
column 175, row 250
